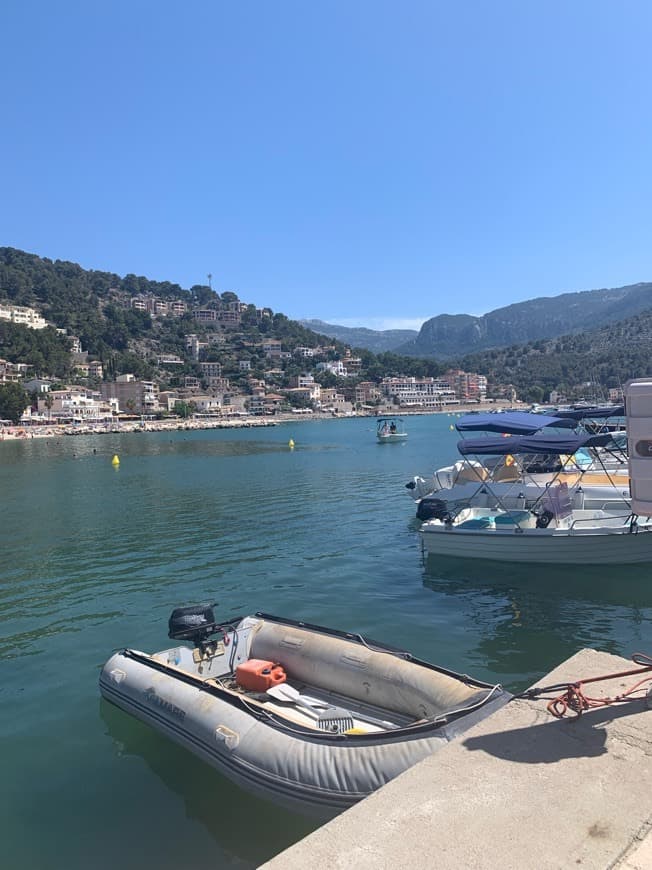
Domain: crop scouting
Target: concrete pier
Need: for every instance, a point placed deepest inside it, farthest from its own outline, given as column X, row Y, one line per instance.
column 519, row 790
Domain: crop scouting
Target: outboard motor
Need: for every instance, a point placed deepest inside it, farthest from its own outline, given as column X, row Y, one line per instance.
column 432, row 509
column 195, row 623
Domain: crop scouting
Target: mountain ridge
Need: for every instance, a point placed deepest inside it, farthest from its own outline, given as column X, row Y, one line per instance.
column 545, row 317
column 374, row 340
column 447, row 336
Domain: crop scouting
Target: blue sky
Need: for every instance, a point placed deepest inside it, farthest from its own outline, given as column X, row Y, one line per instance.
column 363, row 162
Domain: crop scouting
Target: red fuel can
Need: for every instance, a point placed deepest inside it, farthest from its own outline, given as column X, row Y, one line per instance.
column 258, row 675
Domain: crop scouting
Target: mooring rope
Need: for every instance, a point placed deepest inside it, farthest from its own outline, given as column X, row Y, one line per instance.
column 573, row 698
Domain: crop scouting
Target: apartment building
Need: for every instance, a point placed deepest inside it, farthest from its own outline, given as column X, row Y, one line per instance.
column 336, row 368
column 158, row 307
column 272, row 347
column 353, row 364
column 211, row 369
column 332, row 400
column 12, row 372
column 77, row 405
column 207, row 405
column 22, row 316
column 304, row 380
column 468, row 386
column 419, row 393
column 229, row 318
column 309, row 394
column 264, row 404
column 140, row 397
column 205, row 315
column 367, row 392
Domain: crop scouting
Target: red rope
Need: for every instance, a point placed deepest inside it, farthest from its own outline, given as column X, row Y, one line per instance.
column 573, row 698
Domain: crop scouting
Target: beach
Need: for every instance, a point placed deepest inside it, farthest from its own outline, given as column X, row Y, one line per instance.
column 117, row 427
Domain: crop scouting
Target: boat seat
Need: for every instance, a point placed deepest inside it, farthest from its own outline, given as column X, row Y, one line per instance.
column 514, row 518
column 471, row 474
column 507, row 474
column 350, row 669
column 476, row 523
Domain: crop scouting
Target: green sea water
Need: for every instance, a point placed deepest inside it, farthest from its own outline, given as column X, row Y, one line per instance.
column 94, row 558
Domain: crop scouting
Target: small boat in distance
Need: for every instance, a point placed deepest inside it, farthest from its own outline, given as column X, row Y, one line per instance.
column 390, row 430
column 312, row 718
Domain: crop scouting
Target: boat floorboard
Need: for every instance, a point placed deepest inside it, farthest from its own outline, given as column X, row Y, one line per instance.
column 388, row 720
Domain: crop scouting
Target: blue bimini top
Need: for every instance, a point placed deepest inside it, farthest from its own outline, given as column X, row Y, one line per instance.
column 538, row 444
column 592, row 413
column 511, row 422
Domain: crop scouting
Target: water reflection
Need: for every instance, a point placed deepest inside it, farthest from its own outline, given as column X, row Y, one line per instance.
column 246, row 830
column 528, row 619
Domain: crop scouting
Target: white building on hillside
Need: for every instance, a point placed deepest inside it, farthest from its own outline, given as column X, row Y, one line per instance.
column 22, row 316
column 419, row 393
column 77, row 405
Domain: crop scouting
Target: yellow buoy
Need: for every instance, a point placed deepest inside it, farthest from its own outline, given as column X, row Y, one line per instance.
column 116, row 460
column 290, row 443
column 452, row 428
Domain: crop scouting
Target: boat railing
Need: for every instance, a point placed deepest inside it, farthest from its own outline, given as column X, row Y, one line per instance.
column 615, row 521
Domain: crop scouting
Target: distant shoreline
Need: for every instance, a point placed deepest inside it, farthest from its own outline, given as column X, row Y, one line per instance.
column 25, row 432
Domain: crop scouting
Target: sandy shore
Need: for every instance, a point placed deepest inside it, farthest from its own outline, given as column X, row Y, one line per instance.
column 24, row 432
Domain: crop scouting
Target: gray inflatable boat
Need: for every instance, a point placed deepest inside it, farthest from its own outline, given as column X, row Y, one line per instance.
column 309, row 717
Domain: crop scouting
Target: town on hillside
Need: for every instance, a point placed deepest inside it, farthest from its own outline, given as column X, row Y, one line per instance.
column 226, row 373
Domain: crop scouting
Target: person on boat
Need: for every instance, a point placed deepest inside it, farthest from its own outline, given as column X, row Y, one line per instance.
column 392, row 428
column 385, row 429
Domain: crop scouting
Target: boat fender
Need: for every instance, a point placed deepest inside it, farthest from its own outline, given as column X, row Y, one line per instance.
column 543, row 520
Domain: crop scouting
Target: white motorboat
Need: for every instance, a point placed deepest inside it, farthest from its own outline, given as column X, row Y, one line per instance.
column 579, row 537
column 390, row 430
column 594, row 468
column 555, row 530
column 309, row 717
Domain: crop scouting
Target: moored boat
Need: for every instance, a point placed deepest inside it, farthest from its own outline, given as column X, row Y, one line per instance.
column 557, row 527
column 524, row 463
column 579, row 537
column 310, row 717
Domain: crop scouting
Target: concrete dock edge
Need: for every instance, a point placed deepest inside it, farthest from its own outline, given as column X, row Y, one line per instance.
column 519, row 790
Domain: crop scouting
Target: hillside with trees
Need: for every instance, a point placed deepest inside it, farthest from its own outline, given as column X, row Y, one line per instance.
column 97, row 308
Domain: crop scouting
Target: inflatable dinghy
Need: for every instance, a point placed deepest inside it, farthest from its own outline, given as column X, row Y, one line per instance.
column 309, row 717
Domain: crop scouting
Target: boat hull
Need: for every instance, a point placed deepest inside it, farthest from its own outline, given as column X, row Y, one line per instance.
column 315, row 775
column 548, row 546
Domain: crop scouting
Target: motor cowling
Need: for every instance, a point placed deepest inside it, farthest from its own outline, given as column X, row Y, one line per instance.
column 194, row 623
column 544, row 518
column 432, row 509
